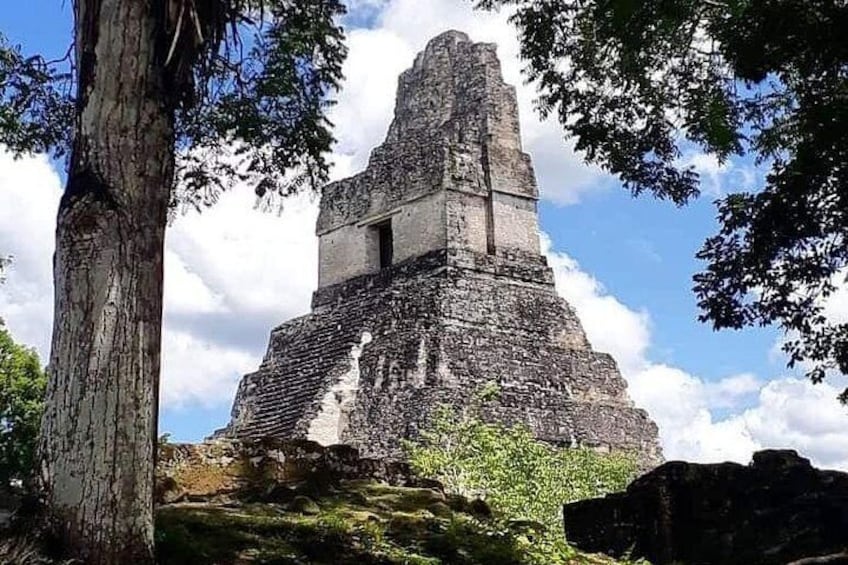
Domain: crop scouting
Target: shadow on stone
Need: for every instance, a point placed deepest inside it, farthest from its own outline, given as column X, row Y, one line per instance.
column 778, row 509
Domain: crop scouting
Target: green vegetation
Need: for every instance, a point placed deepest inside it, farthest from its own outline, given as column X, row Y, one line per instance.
column 355, row 522
column 520, row 477
column 525, row 481
column 22, row 384
column 358, row 522
column 501, row 502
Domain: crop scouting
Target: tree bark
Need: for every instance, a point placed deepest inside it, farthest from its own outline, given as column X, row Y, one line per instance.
column 96, row 454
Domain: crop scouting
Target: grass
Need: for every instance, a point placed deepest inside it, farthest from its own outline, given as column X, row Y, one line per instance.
column 359, row 522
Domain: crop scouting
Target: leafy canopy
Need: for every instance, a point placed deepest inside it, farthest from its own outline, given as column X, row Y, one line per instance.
column 249, row 83
column 22, row 386
column 637, row 82
column 36, row 112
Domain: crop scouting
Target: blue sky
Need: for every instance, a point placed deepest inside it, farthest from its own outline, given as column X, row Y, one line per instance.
column 644, row 252
column 626, row 264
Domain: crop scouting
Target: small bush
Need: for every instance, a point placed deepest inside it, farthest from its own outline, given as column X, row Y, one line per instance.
column 520, row 477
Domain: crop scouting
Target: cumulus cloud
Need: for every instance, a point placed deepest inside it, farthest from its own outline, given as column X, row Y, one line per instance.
column 786, row 412
column 836, row 305
column 717, row 177
column 611, row 326
column 232, row 273
column 29, row 197
column 361, row 118
column 798, row 413
column 196, row 371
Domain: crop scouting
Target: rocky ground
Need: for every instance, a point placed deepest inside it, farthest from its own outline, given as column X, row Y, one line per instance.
column 297, row 502
column 223, row 503
column 268, row 501
column 357, row 521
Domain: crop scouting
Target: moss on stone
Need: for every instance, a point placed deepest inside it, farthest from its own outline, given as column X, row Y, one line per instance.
column 207, row 478
column 358, row 522
column 304, row 505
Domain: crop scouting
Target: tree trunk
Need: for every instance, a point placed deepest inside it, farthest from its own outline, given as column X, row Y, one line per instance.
column 99, row 428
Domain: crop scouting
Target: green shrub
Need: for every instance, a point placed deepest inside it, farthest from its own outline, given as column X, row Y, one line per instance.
column 22, row 385
column 520, row 477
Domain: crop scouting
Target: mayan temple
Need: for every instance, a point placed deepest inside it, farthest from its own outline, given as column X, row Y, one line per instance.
column 431, row 284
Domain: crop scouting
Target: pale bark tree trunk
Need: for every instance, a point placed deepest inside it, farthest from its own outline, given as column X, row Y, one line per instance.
column 99, row 428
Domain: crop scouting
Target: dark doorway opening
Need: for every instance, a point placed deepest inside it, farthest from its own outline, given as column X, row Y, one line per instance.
column 386, row 242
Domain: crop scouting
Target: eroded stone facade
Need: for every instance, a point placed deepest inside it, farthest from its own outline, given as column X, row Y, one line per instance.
column 431, row 284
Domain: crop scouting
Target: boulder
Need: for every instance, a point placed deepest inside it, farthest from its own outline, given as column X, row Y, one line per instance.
column 304, row 505
column 778, row 509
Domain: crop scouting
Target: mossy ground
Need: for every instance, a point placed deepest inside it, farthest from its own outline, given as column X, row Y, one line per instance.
column 356, row 522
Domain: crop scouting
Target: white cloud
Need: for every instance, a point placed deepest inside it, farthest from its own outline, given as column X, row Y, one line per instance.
column 717, row 177
column 354, row 6
column 29, row 198
column 364, row 110
column 682, row 405
column 836, row 305
column 198, row 372
column 250, row 259
column 780, row 413
column 611, row 326
column 232, row 273
column 796, row 412
column 730, row 391
column 194, row 295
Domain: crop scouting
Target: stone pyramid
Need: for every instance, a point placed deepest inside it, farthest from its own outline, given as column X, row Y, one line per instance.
column 431, row 284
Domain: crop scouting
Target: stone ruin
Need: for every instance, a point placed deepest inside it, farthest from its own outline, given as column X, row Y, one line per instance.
column 777, row 510
column 432, row 284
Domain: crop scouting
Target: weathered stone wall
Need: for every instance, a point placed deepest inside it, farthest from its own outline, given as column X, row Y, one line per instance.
column 352, row 250
column 382, row 351
column 455, row 129
column 346, row 252
column 515, row 222
column 224, row 469
column 467, row 217
column 469, row 299
column 419, row 227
